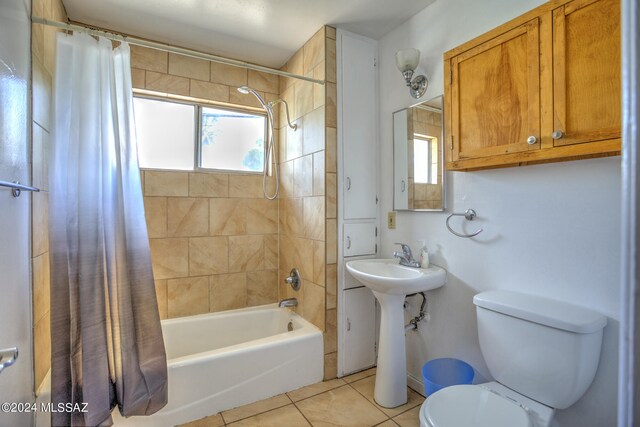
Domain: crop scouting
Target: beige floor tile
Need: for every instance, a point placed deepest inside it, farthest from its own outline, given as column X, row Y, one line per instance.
column 256, row 408
column 366, row 387
column 313, row 389
column 211, row 421
column 287, row 416
column 340, row 407
column 360, row 375
column 410, row 418
column 388, row 423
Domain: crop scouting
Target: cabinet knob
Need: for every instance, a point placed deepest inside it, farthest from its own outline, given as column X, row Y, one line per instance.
column 402, row 186
column 348, row 242
column 532, row 140
column 558, row 134
column 348, row 183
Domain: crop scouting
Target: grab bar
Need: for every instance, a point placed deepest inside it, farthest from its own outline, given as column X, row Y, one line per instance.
column 8, row 357
column 17, row 188
column 469, row 215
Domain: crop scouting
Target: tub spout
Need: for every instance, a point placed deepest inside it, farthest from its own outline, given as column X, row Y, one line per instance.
column 289, row 302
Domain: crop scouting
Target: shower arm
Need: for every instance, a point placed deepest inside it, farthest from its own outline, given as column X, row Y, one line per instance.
column 286, row 108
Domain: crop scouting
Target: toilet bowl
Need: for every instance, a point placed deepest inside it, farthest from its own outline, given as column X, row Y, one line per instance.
column 542, row 353
column 483, row 405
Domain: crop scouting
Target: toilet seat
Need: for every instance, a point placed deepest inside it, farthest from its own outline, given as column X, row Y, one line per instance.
column 471, row 406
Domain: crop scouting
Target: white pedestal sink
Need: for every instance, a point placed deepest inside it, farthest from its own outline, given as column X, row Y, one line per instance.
column 390, row 283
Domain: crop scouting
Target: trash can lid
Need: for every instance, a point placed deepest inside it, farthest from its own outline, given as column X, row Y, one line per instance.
column 470, row 405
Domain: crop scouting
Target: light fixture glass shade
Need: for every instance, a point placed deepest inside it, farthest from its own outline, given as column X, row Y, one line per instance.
column 407, row 59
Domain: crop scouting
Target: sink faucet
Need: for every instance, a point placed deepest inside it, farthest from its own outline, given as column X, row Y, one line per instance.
column 289, row 302
column 406, row 257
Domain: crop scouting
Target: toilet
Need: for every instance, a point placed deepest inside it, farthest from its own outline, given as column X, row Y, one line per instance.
column 543, row 355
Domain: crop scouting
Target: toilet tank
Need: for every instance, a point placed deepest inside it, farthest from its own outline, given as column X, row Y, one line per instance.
column 544, row 349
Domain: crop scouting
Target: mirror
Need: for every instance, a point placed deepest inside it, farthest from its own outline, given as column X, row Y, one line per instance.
column 418, row 178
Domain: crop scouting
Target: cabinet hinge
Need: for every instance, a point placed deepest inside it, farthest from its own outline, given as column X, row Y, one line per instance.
column 376, row 231
column 376, row 200
column 376, row 248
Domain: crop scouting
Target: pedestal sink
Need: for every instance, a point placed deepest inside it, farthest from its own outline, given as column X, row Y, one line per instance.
column 390, row 283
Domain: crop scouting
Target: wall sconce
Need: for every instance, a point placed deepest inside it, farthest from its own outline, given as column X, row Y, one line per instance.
column 407, row 61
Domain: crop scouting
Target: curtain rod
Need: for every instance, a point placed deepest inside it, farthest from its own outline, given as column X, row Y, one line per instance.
column 169, row 48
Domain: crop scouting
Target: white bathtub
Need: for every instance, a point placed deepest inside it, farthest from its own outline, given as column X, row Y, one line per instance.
column 224, row 360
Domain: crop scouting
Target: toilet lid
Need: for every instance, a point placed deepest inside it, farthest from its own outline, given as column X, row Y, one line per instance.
column 473, row 406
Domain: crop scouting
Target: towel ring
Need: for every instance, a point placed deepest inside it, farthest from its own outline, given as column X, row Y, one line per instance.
column 469, row 215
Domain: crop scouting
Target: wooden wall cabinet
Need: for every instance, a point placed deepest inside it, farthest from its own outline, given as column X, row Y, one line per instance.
column 543, row 87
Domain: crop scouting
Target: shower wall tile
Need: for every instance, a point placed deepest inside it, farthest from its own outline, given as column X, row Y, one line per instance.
column 155, row 210
column 166, row 83
column 303, row 98
column 318, row 174
column 271, row 252
column 170, row 257
column 303, row 176
column 331, row 285
column 161, row 183
column 187, row 217
column 319, row 262
column 161, row 295
column 228, row 75
column 41, row 286
column 331, row 331
column 331, row 141
column 313, row 131
column 330, row 63
column 262, row 287
column 40, row 223
column 138, row 78
column 149, row 59
column 318, row 91
column 42, row 347
column 331, row 105
column 245, row 186
column 228, row 217
column 264, row 82
column 331, row 190
column 227, row 292
column 185, row 66
column 314, row 299
column 208, row 185
column 246, row 253
column 188, row 296
column 208, row 255
column 262, row 217
column 332, row 241
column 313, row 50
column 209, row 91
column 314, row 217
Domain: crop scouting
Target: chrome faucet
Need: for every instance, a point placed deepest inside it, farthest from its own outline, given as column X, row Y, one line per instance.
column 406, row 257
column 289, row 302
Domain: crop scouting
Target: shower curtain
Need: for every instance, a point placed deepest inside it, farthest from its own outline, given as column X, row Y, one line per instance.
column 106, row 342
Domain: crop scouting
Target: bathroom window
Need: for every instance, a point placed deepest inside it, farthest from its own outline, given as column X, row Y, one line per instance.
column 232, row 140
column 425, row 152
column 166, row 134
column 182, row 136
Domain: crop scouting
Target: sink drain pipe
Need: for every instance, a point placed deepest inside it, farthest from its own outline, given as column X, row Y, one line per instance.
column 413, row 323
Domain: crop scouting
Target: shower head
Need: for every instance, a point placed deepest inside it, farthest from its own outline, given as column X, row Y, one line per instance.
column 247, row 90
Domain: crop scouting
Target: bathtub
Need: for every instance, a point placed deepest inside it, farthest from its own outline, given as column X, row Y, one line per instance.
column 223, row 360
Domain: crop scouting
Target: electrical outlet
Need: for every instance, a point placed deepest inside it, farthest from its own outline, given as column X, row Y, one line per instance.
column 391, row 221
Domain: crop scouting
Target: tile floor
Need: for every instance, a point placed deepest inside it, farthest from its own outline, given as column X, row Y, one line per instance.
column 344, row 401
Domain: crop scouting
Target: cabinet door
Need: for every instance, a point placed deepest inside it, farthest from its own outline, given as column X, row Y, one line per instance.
column 495, row 93
column 358, row 124
column 586, row 70
column 359, row 239
column 359, row 330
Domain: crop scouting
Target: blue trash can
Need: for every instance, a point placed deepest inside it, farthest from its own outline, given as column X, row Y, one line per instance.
column 445, row 372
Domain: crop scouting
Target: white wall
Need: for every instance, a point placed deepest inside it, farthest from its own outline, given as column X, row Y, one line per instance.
column 551, row 230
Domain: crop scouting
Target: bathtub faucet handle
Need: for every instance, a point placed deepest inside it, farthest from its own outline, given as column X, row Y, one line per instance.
column 294, row 279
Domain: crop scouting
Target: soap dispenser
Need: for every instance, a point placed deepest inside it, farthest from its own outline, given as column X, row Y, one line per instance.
column 424, row 255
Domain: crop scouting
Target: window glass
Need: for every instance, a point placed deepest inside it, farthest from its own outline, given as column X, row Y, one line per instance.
column 232, row 140
column 166, row 134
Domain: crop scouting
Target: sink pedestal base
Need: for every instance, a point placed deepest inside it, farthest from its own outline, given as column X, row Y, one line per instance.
column 391, row 374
